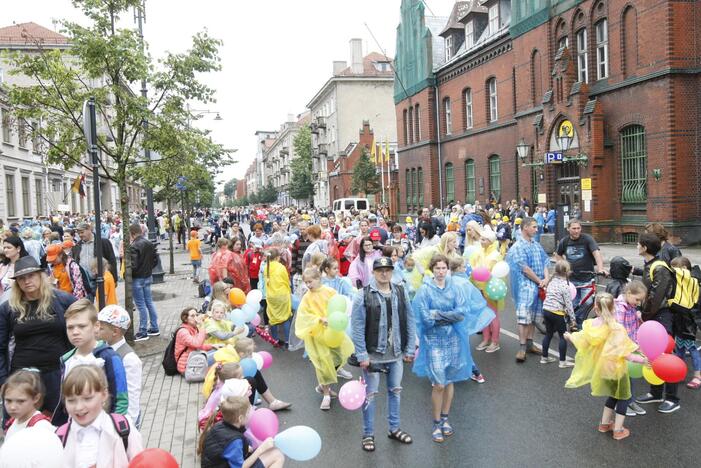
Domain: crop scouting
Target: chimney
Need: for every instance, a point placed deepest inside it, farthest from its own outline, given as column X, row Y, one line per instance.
column 291, row 118
column 356, row 48
column 339, row 66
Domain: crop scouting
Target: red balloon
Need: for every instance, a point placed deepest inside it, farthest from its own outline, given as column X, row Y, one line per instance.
column 154, row 457
column 669, row 368
column 670, row 345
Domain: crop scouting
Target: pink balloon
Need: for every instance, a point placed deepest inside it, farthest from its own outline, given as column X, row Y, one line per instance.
column 352, row 395
column 263, row 423
column 652, row 338
column 267, row 359
column 481, row 274
column 573, row 291
column 252, row 441
column 256, row 320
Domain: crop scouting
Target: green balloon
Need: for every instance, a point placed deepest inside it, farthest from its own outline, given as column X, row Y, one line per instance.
column 337, row 304
column 635, row 369
column 496, row 289
column 338, row 321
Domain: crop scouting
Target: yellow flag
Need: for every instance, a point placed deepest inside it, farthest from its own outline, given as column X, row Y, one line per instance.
column 373, row 151
column 387, row 150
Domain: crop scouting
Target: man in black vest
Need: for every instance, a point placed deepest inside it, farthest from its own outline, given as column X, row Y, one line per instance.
column 383, row 331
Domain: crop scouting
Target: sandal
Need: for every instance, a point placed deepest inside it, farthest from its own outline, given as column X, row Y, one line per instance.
column 446, row 428
column 400, row 436
column 695, row 383
column 437, row 434
column 368, row 443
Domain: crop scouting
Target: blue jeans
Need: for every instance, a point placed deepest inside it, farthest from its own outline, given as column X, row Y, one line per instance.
column 394, row 388
column 695, row 356
column 141, row 289
column 285, row 330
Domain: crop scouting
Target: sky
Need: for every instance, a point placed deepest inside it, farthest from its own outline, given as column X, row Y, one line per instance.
column 276, row 54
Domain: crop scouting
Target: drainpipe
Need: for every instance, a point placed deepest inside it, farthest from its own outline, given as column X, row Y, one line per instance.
column 438, row 138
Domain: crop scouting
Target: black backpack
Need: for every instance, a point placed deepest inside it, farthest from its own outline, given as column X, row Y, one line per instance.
column 170, row 362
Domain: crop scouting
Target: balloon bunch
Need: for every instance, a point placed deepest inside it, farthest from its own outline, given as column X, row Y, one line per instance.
column 300, row 443
column 657, row 346
column 337, row 319
column 492, row 282
column 258, row 361
column 247, row 307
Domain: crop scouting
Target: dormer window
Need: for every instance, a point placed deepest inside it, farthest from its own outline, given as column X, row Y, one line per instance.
column 493, row 19
column 448, row 48
column 382, row 66
column 469, row 34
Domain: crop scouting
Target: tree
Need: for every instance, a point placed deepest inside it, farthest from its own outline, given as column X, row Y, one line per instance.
column 366, row 180
column 301, row 184
column 268, row 194
column 230, row 188
column 107, row 63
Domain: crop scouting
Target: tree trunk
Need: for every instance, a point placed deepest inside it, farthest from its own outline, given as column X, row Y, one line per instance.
column 126, row 239
column 171, row 230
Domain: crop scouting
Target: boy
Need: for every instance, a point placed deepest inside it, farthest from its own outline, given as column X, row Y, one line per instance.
column 82, row 328
column 194, row 246
column 114, row 322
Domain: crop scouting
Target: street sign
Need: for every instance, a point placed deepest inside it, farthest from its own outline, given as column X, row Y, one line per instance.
column 553, row 157
column 586, row 184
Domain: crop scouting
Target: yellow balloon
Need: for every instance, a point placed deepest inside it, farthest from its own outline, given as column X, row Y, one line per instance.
column 333, row 338
column 651, row 377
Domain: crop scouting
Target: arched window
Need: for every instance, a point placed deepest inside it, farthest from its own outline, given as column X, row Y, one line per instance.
column 449, row 183
column 411, row 124
column 470, row 192
column 417, row 124
column 413, row 187
column 467, row 100
column 633, row 165
column 536, row 77
column 407, row 184
column 493, row 113
column 420, row 186
column 447, row 116
column 629, row 31
column 494, row 177
column 602, row 49
column 582, row 56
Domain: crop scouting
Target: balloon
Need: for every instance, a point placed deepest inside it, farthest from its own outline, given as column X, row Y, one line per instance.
column 249, row 311
column 263, row 423
column 336, row 303
column 249, row 368
column 333, row 338
column 500, row 270
column 635, row 369
column 652, row 338
column 670, row 346
column 669, row 368
column 480, row 284
column 651, row 377
column 258, row 360
column 256, row 320
column 573, row 290
column 352, row 395
column 338, row 321
column 495, row 289
column 254, row 296
column 295, row 302
column 349, row 306
column 153, row 457
column 238, row 317
column 237, row 297
column 21, row 449
column 300, row 443
column 246, row 330
column 481, row 274
column 267, row 359
column 252, row 441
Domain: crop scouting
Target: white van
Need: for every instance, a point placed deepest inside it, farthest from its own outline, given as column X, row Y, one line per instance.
column 343, row 206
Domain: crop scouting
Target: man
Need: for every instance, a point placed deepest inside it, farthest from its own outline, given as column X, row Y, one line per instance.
column 660, row 288
column 375, row 227
column 84, row 253
column 528, row 262
column 299, row 247
column 383, row 331
column 438, row 221
column 143, row 260
column 583, row 253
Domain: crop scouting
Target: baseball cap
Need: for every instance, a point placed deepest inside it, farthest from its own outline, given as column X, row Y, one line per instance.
column 372, row 217
column 382, row 262
column 115, row 315
column 518, row 221
column 505, row 219
column 68, row 244
column 52, row 251
column 375, row 235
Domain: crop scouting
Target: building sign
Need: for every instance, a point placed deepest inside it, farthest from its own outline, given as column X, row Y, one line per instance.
column 566, row 129
column 553, row 157
column 586, row 184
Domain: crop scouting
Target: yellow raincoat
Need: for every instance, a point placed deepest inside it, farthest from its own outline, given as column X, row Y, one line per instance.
column 224, row 355
column 309, row 327
column 423, row 256
column 487, row 258
column 278, row 293
column 602, row 349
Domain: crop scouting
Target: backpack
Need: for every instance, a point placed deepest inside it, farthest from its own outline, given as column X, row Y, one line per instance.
column 197, row 367
column 32, row 421
column 120, row 422
column 686, row 288
column 170, row 363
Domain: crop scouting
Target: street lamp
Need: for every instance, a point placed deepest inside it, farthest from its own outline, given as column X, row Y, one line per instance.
column 565, row 141
column 523, row 149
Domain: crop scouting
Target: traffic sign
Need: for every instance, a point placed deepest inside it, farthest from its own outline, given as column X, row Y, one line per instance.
column 553, row 157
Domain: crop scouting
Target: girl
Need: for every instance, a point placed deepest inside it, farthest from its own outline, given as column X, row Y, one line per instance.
column 190, row 337
column 22, row 395
column 224, row 444
column 557, row 309
column 253, row 258
column 85, row 395
column 330, row 268
column 220, row 293
column 219, row 330
column 222, row 373
column 245, row 347
column 327, row 350
column 393, row 253
column 109, row 283
column 360, row 272
column 278, row 296
column 603, row 347
column 487, row 255
column 220, row 259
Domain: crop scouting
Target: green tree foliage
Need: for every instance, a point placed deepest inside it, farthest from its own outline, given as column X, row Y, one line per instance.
column 366, row 180
column 230, row 188
column 301, row 185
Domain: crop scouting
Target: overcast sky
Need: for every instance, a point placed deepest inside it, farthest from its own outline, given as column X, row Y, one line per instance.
column 276, row 54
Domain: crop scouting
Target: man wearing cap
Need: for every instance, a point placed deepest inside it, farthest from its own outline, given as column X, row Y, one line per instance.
column 383, row 330
column 376, row 228
column 84, row 253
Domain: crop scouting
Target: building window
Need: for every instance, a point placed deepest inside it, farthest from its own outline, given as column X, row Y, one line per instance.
column 449, row 183
column 414, row 195
column 411, row 125
column 494, row 178
column 417, row 124
column 493, row 19
column 448, row 116
column 467, row 96
column 10, row 194
column 582, row 71
column 39, row 195
column 406, row 128
column 633, row 165
column 470, row 193
column 602, row 49
column 536, row 76
column 407, row 181
column 420, row 185
column 5, row 127
column 36, row 140
column 25, row 197
column 22, row 133
column 469, row 34
column 448, row 48
column 492, row 92
column 563, row 43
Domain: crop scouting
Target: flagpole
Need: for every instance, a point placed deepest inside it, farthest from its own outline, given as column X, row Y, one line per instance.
column 382, row 175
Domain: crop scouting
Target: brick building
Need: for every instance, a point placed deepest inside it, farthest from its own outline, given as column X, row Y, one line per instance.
column 587, row 104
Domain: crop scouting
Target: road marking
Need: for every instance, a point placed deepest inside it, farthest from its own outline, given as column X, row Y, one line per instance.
column 515, row 337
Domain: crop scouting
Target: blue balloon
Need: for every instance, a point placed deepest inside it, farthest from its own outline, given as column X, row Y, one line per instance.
column 250, row 311
column 299, row 443
column 249, row 367
column 295, row 302
column 238, row 317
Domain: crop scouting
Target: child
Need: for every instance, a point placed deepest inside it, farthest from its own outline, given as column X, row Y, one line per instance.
column 278, row 297
column 345, row 239
column 245, row 348
column 82, row 328
column 219, row 330
column 22, row 394
column 685, row 330
column 412, row 276
column 330, row 268
column 223, row 372
column 224, row 443
column 194, row 246
column 107, row 444
column 114, row 323
column 620, row 270
column 603, row 347
column 557, row 310
column 311, row 326
column 253, row 258
column 109, row 284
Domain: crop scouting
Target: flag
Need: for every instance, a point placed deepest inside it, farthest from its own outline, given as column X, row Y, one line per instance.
column 78, row 185
column 387, row 150
column 373, row 151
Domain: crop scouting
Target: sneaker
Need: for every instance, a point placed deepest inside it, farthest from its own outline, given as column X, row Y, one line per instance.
column 320, row 391
column 648, row 398
column 547, row 360
column 344, row 374
column 141, row 336
column 479, row 378
column 325, row 403
column 637, row 408
column 565, row 364
column 668, row 406
column 153, row 332
column 521, row 356
column 482, row 346
column 630, row 413
column 492, row 348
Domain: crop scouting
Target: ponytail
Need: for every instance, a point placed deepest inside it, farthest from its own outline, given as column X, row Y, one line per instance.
column 210, row 422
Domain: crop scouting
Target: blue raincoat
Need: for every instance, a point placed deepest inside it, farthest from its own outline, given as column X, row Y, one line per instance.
column 479, row 314
column 341, row 284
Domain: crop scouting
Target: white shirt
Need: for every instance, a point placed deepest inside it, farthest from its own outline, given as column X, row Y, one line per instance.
column 132, row 369
column 15, row 427
column 77, row 360
column 87, row 442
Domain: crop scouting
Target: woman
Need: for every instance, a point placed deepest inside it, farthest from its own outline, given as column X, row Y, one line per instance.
column 360, row 271
column 218, row 267
column 12, row 250
column 33, row 319
column 236, row 266
column 65, row 272
column 399, row 239
column 354, row 248
column 190, row 337
column 317, row 244
column 346, row 227
column 278, row 297
column 428, row 236
column 448, row 246
column 440, row 307
column 487, row 256
column 259, row 234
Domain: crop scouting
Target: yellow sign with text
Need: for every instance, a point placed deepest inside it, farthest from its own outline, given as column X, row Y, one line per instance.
column 586, row 184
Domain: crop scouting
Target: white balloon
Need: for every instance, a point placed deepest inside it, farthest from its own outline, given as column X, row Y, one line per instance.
column 258, row 359
column 349, row 305
column 254, row 296
column 20, row 450
column 500, row 270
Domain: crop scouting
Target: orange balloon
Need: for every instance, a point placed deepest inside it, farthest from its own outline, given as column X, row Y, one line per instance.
column 237, row 297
